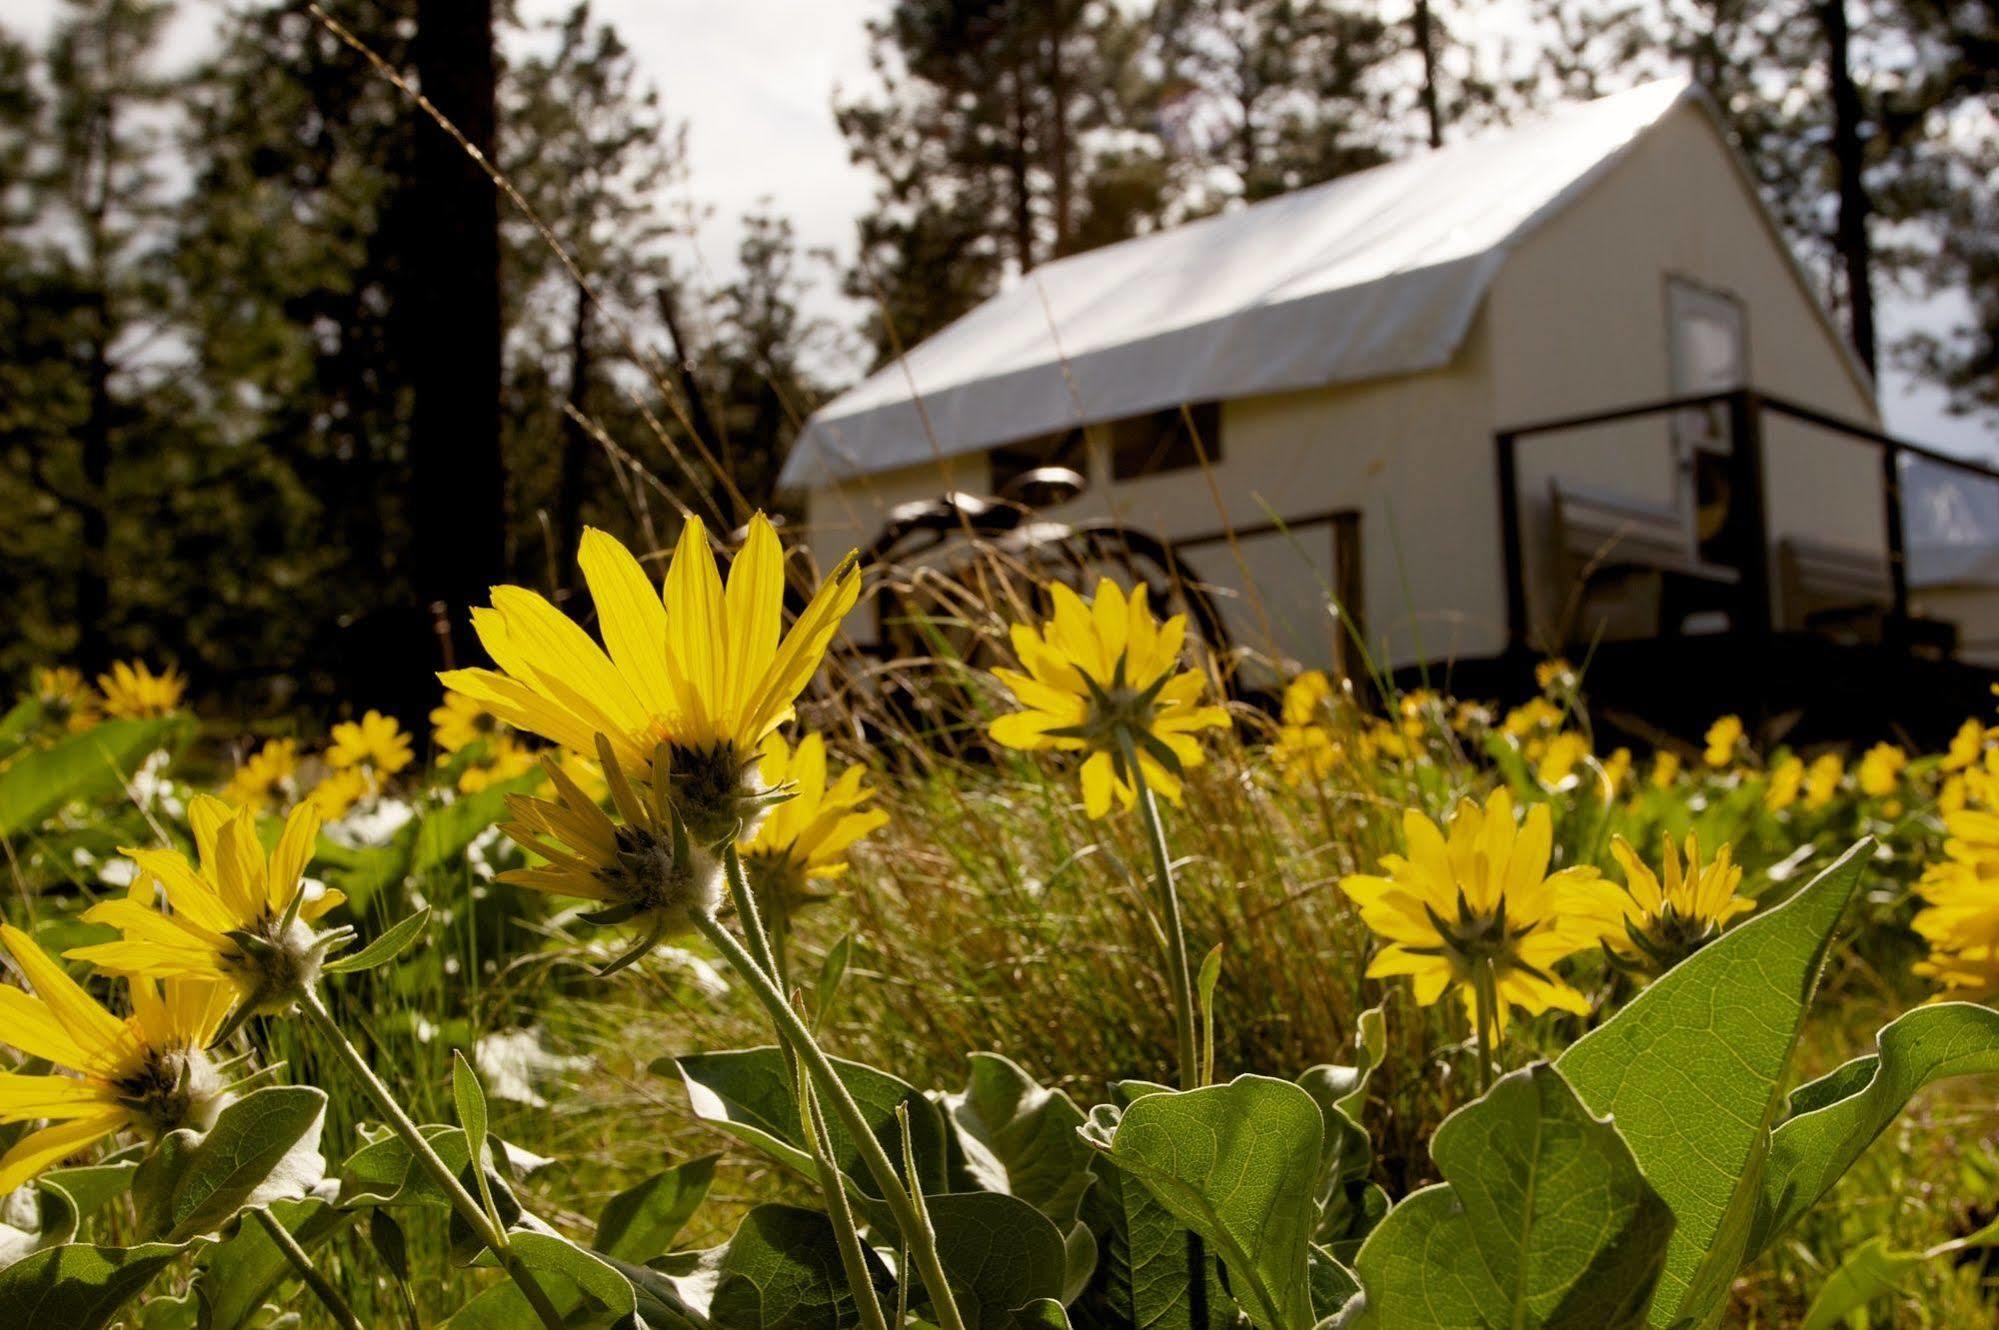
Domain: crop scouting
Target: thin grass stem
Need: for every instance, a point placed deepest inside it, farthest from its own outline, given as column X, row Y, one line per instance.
column 322, row 1287
column 1179, row 975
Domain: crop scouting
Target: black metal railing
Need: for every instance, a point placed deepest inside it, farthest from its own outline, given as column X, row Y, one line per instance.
column 1746, row 409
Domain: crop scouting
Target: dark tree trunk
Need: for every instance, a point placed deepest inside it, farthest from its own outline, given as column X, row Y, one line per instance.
column 690, row 382
column 93, row 575
column 457, row 480
column 1856, row 254
column 576, row 443
column 1426, row 48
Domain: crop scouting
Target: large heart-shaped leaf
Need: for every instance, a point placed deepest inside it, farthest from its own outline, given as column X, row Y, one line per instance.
column 1543, row 1222
column 77, row 1286
column 1020, row 1138
column 1833, row 1119
column 1237, row 1164
column 642, row 1221
column 1151, row 1270
column 1001, row 1256
column 1693, row 1072
column 782, row 1271
column 263, row 1147
column 36, row 782
column 748, row 1094
column 234, row 1278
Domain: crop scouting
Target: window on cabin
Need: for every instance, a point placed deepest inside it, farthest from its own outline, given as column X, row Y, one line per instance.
column 1070, row 448
column 1169, row 440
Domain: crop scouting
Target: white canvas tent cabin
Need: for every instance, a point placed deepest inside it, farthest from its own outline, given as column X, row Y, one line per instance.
column 1331, row 397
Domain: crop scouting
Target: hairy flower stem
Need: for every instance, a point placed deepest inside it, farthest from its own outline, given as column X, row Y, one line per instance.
column 1485, row 992
column 321, row 1286
column 1180, row 977
column 467, row 1205
column 852, row 1259
column 791, row 1028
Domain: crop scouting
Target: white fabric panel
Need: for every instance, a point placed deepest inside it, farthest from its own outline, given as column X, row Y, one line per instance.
column 1373, row 274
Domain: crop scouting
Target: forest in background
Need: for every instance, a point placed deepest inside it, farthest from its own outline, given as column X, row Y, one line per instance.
column 283, row 375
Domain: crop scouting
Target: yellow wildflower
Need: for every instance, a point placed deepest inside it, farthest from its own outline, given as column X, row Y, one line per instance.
column 1787, row 778
column 459, row 722
column 1665, row 922
column 338, row 792
column 1104, row 679
column 1881, row 770
column 133, row 692
column 66, row 700
column 265, row 779
column 808, row 835
column 1960, row 918
column 147, row 1071
column 1555, row 676
column 1723, row 738
column 700, row 672
column 1665, row 769
column 1559, row 758
column 238, row 915
column 1967, row 746
column 1617, row 770
column 375, row 744
column 1481, row 907
column 1822, row 780
column 1534, row 714
column 508, row 758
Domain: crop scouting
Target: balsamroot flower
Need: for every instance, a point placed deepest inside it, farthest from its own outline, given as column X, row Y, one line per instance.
column 1667, row 921
column 238, row 916
column 1960, row 918
column 1481, row 908
column 701, row 672
column 459, row 722
column 506, row 758
column 267, row 777
column 1724, row 739
column 1104, row 679
column 65, row 699
column 806, row 837
column 374, row 744
column 133, row 692
column 645, row 870
column 147, row 1071
column 1880, row 773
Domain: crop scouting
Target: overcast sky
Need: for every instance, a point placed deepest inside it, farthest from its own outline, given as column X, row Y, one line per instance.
column 755, row 80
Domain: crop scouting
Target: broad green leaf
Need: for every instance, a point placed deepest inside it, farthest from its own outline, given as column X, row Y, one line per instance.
column 748, row 1094
column 831, row 971
column 21, row 718
column 641, row 1222
column 1150, row 1271
column 262, row 1147
column 36, row 782
column 235, row 1278
column 1237, row 1164
column 92, row 1186
column 1001, row 1256
column 79, row 1287
column 1833, row 1119
column 384, row 1173
column 550, row 1254
column 1543, row 1222
column 1334, row 1286
column 1020, row 1138
column 782, row 1271
column 1872, row 1270
column 1693, row 1071
column 391, row 943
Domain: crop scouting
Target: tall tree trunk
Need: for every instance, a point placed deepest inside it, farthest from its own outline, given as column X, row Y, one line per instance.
column 576, row 443
column 1426, row 48
column 93, row 571
column 458, row 485
column 1856, row 253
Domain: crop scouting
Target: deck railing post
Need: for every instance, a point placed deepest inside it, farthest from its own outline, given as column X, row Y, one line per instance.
column 1898, row 561
column 1751, row 517
column 1512, row 555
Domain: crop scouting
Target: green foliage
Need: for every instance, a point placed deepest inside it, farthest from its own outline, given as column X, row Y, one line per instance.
column 196, row 1184
column 38, row 782
column 1543, row 1220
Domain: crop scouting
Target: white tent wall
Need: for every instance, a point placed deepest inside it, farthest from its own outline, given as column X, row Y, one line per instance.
column 1580, row 318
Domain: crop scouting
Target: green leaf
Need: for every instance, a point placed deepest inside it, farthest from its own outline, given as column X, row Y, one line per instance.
column 831, row 971
column 1236, row 1164
column 1833, row 1119
column 469, row 1098
column 782, row 1271
column 1543, row 1222
column 79, row 1287
column 391, row 943
column 748, row 1094
column 39, row 781
column 1150, row 1271
column 1334, row 1286
column 262, row 1147
column 1693, row 1070
column 235, row 1278
column 1870, row 1271
column 92, row 1186
column 1348, row 1204
column 384, row 1173
column 641, row 1222
column 1001, row 1256
column 551, row 1254
column 1020, row 1138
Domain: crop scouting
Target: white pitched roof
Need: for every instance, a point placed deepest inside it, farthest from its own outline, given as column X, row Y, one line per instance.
column 1372, row 274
